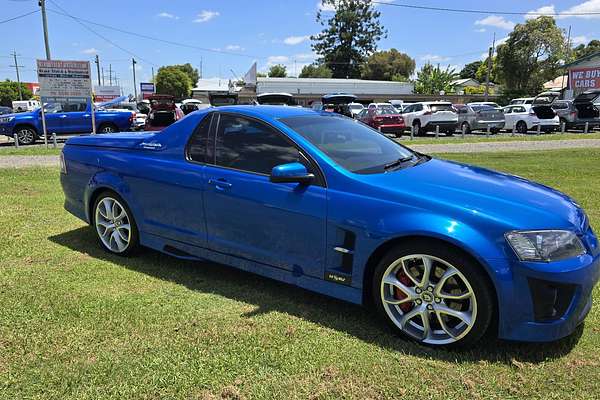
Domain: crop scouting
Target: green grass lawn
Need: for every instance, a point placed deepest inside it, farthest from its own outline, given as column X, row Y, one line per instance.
column 78, row 323
column 29, row 151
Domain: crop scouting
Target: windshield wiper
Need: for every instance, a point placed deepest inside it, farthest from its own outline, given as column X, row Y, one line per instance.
column 398, row 162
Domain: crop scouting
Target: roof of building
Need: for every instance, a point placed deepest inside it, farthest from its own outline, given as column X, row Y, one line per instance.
column 321, row 86
column 582, row 59
column 559, row 82
column 462, row 82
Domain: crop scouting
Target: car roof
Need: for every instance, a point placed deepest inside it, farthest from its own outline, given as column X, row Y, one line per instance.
column 269, row 111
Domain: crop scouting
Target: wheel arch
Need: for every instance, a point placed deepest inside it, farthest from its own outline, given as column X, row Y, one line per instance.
column 25, row 125
column 103, row 182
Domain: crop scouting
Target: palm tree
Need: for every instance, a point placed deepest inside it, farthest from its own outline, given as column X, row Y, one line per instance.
column 433, row 80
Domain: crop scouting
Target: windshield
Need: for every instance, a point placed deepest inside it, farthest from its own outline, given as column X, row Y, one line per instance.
column 483, row 107
column 351, row 144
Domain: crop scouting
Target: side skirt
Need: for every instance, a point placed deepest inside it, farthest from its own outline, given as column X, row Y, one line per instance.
column 187, row 252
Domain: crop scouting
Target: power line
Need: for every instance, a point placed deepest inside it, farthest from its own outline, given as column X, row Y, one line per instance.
column 19, row 16
column 65, row 13
column 475, row 11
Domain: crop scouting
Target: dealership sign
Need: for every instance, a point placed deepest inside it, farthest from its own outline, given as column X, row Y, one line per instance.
column 106, row 93
column 64, row 80
column 582, row 79
column 147, row 89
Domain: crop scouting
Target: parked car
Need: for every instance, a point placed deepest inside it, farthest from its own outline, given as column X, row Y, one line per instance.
column 222, row 99
column 383, row 117
column 426, row 116
column 189, row 108
column 338, row 103
column 579, row 111
column 63, row 118
column 479, row 117
column 355, row 109
column 276, row 99
column 25, row 105
column 525, row 117
column 444, row 251
column 140, row 118
column 5, row 110
column 163, row 112
column 521, row 100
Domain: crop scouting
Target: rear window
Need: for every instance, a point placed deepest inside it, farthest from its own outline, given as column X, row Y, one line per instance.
column 386, row 110
column 483, row 107
column 441, row 107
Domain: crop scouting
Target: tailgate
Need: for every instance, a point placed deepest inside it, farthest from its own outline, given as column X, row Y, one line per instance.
column 118, row 140
column 444, row 116
column 490, row 115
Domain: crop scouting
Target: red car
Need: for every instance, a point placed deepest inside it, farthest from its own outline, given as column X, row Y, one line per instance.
column 383, row 117
column 163, row 112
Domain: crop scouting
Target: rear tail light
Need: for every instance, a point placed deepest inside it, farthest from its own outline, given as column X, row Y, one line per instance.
column 63, row 164
column 132, row 117
column 573, row 114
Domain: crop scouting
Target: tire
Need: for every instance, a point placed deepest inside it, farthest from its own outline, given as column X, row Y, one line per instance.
column 25, row 135
column 417, row 128
column 117, row 234
column 495, row 131
column 449, row 132
column 466, row 128
column 108, row 128
column 398, row 134
column 521, row 127
column 564, row 121
column 451, row 322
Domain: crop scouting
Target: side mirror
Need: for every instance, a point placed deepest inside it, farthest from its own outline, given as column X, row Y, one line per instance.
column 291, row 173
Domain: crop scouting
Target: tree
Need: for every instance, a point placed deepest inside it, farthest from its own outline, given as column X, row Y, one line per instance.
column 531, row 56
column 277, row 71
column 348, row 37
column 316, row 71
column 469, row 71
column 433, row 80
column 173, row 81
column 9, row 92
column 585, row 50
column 190, row 71
column 389, row 65
column 481, row 73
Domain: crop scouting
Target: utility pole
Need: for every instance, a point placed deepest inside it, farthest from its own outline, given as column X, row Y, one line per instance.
column 201, row 66
column 152, row 74
column 42, row 4
column 489, row 68
column 109, row 74
column 134, row 83
column 568, row 57
column 14, row 54
column 98, row 69
column 102, row 76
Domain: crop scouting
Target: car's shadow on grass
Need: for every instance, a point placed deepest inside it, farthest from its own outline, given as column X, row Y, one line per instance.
column 269, row 295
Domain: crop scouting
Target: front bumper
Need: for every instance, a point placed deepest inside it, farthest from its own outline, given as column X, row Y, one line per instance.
column 6, row 129
column 391, row 128
column 541, row 302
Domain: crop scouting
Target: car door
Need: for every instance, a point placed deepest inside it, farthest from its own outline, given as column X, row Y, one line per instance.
column 54, row 115
column 77, row 119
column 509, row 120
column 247, row 216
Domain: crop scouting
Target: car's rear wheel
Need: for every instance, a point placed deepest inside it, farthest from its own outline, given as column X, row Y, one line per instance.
column 108, row 128
column 25, row 135
column 418, row 131
column 433, row 294
column 521, row 127
column 114, row 224
column 495, row 131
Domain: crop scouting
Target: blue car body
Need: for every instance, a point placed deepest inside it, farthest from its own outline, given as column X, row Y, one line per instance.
column 68, row 122
column 289, row 232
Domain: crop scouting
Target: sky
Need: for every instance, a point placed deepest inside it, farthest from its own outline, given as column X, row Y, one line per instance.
column 225, row 37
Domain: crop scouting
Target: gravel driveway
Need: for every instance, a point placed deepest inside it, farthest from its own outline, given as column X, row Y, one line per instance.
column 43, row 161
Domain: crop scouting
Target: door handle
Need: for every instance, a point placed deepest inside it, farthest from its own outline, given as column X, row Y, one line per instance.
column 220, row 184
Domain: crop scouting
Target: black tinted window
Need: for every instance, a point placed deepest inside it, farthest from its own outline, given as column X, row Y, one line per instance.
column 249, row 145
column 199, row 142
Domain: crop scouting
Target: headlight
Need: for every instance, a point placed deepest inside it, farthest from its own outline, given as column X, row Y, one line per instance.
column 4, row 120
column 551, row 245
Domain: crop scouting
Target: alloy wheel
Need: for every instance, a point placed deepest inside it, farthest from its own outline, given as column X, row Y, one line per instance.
column 429, row 299
column 113, row 225
column 107, row 129
column 25, row 136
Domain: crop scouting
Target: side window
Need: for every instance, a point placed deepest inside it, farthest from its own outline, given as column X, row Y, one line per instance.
column 198, row 145
column 519, row 109
column 252, row 146
column 418, row 107
column 508, row 110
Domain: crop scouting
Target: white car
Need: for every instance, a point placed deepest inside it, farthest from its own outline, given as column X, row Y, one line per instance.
column 525, row 117
column 25, row 105
column 355, row 109
column 140, row 118
column 521, row 100
column 426, row 116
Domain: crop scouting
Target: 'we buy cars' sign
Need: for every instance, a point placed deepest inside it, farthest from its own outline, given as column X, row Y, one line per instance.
column 582, row 79
column 64, row 80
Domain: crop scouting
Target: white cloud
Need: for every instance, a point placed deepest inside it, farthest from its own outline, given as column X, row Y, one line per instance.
column 496, row 21
column 273, row 60
column 305, row 56
column 206, row 15
column 234, row 47
column 434, row 58
column 545, row 10
column 167, row 15
column 91, row 50
column 590, row 6
column 581, row 39
column 480, row 30
column 294, row 40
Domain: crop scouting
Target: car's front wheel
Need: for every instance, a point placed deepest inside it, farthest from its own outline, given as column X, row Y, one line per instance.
column 26, row 135
column 114, row 224
column 433, row 294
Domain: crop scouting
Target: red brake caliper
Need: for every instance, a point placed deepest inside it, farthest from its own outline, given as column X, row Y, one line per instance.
column 400, row 295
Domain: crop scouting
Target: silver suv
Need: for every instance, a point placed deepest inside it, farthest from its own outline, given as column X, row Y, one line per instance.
column 575, row 113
